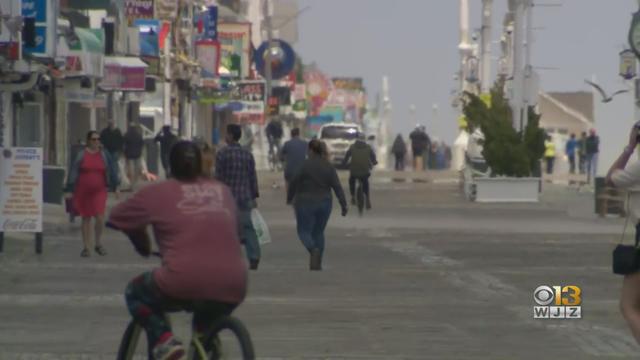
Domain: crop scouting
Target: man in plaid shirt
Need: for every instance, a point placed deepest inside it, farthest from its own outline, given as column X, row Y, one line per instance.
column 236, row 168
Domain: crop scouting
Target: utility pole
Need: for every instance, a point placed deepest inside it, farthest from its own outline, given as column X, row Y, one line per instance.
column 267, row 71
column 518, row 65
column 485, row 62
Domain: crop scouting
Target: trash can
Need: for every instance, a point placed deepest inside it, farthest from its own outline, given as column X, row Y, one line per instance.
column 52, row 184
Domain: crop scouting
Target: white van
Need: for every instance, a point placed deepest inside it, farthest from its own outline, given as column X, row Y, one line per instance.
column 339, row 137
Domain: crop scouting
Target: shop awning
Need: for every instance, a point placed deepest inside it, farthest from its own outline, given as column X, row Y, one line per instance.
column 123, row 74
column 124, row 61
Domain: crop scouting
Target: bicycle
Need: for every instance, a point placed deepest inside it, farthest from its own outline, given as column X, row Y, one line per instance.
column 218, row 342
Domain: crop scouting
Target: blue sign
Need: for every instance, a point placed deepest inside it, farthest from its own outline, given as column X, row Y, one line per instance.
column 149, row 37
column 211, row 23
column 41, row 41
column 283, row 59
column 35, row 9
column 207, row 24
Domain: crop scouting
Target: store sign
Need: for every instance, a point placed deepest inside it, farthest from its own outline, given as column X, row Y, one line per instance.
column 123, row 78
column 167, row 9
column 207, row 24
column 346, row 83
column 21, row 190
column 138, row 9
column 208, row 52
column 149, row 37
column 38, row 10
column 235, row 49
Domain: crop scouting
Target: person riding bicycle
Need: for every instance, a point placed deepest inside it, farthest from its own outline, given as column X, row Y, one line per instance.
column 274, row 136
column 203, row 270
column 361, row 159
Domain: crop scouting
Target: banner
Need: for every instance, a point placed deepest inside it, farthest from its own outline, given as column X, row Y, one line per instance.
column 138, row 9
column 208, row 54
column 21, row 190
column 207, row 24
column 235, row 49
column 247, row 101
column 166, row 9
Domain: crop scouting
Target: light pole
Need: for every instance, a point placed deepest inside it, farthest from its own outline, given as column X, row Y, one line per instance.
column 485, row 62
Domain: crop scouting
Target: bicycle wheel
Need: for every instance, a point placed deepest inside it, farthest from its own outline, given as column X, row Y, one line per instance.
column 230, row 339
column 360, row 198
column 131, row 347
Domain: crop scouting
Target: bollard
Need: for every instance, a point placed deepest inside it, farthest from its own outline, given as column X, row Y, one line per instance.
column 1, row 241
column 39, row 243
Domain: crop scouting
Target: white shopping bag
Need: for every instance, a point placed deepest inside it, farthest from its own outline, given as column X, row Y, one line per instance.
column 260, row 226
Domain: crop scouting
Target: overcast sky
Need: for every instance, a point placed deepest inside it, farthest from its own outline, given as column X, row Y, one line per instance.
column 414, row 42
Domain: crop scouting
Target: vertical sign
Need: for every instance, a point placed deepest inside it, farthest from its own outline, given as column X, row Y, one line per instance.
column 138, row 9
column 211, row 23
column 21, row 190
column 37, row 9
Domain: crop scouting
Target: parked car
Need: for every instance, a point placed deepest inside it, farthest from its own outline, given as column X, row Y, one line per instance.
column 339, row 137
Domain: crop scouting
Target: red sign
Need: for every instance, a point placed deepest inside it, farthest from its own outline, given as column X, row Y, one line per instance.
column 118, row 77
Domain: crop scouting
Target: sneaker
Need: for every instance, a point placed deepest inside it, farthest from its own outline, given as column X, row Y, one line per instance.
column 171, row 349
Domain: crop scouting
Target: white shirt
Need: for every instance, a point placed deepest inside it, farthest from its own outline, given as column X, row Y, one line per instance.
column 629, row 179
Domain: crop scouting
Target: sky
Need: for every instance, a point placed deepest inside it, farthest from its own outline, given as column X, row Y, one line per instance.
column 414, row 43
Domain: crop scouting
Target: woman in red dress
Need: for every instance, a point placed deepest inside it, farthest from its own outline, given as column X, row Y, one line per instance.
column 91, row 175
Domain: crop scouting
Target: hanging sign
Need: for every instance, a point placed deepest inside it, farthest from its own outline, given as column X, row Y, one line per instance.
column 628, row 64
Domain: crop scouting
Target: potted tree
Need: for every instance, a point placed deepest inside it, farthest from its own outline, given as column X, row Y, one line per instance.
column 513, row 157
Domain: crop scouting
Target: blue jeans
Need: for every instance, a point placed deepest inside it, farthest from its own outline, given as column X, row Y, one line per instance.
column 312, row 218
column 246, row 231
column 592, row 167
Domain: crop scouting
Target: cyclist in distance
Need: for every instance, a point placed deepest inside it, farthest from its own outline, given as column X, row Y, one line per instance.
column 203, row 270
column 361, row 159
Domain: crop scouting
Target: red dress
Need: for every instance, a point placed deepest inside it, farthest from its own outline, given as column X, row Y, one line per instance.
column 90, row 194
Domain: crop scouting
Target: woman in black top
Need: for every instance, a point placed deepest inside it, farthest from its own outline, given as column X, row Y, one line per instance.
column 310, row 192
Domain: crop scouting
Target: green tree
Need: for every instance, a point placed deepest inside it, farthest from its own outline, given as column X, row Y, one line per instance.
column 507, row 152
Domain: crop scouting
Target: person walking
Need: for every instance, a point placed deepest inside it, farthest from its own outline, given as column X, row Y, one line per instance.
column 570, row 151
column 310, row 194
column 628, row 177
column 112, row 140
column 166, row 139
column 582, row 152
column 236, row 168
column 274, row 136
column 549, row 154
column 92, row 174
column 361, row 158
column 399, row 150
column 294, row 153
column 420, row 144
column 593, row 149
column 133, row 148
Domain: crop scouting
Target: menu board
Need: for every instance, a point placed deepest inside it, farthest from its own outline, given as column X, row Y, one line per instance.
column 21, row 190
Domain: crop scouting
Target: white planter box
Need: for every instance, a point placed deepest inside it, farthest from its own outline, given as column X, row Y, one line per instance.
column 506, row 189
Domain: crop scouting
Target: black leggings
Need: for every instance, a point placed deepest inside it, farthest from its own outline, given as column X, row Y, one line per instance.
column 365, row 184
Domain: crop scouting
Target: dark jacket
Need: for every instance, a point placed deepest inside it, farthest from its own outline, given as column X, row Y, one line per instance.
column 293, row 154
column 314, row 183
column 361, row 158
column 166, row 140
column 133, row 144
column 112, row 140
column 420, row 141
column 111, row 173
column 274, row 130
column 593, row 144
column 399, row 147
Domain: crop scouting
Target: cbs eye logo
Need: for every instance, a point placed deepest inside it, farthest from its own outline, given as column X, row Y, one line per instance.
column 557, row 302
